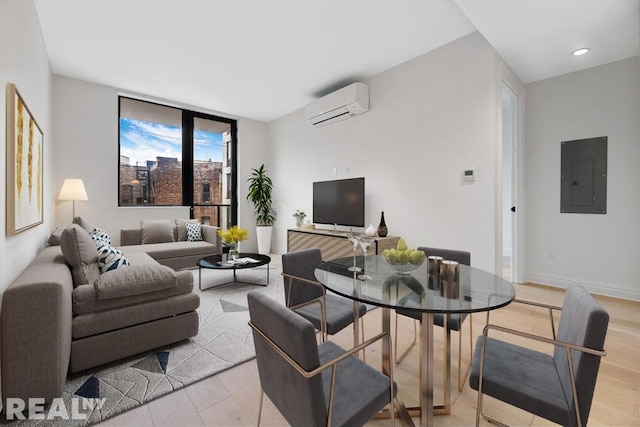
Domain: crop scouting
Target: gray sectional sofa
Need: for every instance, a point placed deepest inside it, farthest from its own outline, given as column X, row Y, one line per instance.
column 166, row 242
column 63, row 314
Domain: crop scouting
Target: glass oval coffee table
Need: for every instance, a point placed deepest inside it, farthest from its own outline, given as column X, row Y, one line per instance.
column 220, row 262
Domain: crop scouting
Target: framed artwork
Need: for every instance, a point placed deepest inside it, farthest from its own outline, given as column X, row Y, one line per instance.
column 24, row 165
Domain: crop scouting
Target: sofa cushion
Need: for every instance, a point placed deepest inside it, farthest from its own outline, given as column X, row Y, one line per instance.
column 85, row 297
column 134, row 280
column 172, row 250
column 54, row 238
column 110, row 258
column 108, row 320
column 83, row 223
column 80, row 252
column 182, row 230
column 130, row 236
column 194, row 233
column 157, row 231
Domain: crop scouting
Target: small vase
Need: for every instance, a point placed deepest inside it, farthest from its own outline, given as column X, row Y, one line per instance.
column 382, row 228
column 298, row 222
column 370, row 231
column 233, row 251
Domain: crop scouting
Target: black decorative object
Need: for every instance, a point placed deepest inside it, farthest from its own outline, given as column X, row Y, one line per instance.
column 382, row 228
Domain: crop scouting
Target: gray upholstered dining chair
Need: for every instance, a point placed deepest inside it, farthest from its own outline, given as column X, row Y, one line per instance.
column 307, row 297
column 454, row 322
column 559, row 386
column 311, row 384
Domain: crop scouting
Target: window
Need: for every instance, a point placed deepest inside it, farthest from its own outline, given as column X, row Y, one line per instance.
column 175, row 157
column 206, row 192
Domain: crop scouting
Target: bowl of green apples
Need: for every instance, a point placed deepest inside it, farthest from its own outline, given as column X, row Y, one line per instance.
column 402, row 259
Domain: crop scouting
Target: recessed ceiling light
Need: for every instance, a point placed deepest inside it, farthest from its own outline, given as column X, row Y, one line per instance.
column 580, row 51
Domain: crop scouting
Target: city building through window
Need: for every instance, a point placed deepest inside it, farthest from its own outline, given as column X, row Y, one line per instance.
column 175, row 157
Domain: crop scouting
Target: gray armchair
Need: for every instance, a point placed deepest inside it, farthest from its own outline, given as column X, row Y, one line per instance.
column 557, row 387
column 310, row 384
column 307, row 297
column 454, row 321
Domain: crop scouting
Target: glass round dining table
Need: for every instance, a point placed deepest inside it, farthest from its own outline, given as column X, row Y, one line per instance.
column 474, row 291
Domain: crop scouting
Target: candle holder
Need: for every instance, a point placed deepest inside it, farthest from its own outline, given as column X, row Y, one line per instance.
column 450, row 271
column 450, row 279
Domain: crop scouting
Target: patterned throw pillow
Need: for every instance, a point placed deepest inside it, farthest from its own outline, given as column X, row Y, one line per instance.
column 110, row 258
column 194, row 232
column 100, row 237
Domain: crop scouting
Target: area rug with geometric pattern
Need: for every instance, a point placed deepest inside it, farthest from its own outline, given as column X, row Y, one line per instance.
column 224, row 340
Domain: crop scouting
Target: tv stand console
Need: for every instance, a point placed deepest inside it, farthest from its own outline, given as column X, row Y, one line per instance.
column 333, row 244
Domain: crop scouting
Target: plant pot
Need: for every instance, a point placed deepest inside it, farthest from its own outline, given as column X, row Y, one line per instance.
column 263, row 234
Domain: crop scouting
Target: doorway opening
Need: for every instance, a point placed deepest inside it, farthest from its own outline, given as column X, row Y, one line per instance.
column 509, row 183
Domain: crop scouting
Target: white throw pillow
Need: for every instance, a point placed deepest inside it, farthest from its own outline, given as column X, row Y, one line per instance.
column 100, row 237
column 110, row 258
column 194, row 232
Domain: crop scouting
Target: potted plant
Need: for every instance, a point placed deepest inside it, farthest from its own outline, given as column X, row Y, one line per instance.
column 260, row 188
column 300, row 216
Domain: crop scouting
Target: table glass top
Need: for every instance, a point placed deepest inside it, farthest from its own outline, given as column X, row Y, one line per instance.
column 245, row 260
column 476, row 290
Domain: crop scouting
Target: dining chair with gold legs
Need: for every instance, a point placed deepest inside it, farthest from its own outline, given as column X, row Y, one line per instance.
column 303, row 294
column 315, row 385
column 454, row 321
column 557, row 385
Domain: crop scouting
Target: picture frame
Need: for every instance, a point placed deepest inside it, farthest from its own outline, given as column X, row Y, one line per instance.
column 24, row 181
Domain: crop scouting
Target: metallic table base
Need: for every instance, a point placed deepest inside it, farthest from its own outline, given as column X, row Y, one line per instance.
column 427, row 410
column 233, row 281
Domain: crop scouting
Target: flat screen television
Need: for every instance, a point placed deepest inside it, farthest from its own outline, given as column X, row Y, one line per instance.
column 339, row 202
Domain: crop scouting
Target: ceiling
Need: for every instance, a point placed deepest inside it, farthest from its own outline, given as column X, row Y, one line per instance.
column 263, row 59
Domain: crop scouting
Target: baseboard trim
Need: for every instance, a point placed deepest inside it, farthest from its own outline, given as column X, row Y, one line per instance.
column 598, row 288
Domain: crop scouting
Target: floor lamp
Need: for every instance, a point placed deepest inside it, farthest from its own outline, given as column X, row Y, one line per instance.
column 73, row 189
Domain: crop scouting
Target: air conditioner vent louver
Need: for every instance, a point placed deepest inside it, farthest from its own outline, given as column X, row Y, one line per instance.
column 339, row 105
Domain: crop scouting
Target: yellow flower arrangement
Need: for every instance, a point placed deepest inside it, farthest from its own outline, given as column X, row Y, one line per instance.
column 233, row 235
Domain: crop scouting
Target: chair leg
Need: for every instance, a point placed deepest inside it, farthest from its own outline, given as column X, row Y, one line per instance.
column 461, row 380
column 397, row 359
column 479, row 410
column 364, row 352
column 492, row 420
column 260, row 406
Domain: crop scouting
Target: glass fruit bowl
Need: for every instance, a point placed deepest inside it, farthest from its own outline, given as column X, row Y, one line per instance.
column 406, row 268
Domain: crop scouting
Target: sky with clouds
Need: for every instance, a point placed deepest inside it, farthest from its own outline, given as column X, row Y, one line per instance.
column 142, row 141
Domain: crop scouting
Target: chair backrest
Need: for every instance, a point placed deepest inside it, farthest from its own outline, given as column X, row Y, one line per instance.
column 300, row 400
column 301, row 264
column 461, row 257
column 583, row 322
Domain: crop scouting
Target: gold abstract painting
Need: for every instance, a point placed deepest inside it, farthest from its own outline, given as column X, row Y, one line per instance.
column 24, row 165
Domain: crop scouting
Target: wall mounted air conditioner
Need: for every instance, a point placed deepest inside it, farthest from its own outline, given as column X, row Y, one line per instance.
column 339, row 105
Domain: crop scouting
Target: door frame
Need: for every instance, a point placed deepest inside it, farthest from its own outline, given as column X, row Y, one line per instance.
column 511, row 82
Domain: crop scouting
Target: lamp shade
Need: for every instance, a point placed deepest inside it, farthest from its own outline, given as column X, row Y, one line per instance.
column 73, row 189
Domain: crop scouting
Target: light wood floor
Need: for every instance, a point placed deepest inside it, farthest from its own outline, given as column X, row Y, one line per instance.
column 231, row 397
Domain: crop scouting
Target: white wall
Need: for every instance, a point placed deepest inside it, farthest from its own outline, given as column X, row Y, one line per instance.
column 430, row 118
column 599, row 251
column 86, row 126
column 24, row 61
